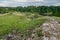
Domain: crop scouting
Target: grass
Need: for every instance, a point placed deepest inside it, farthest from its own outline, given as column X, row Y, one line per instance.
column 9, row 22
column 57, row 18
column 20, row 22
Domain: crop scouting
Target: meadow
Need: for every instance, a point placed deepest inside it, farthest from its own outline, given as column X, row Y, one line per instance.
column 20, row 22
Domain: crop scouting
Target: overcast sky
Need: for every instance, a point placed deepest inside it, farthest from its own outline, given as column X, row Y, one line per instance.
column 14, row 3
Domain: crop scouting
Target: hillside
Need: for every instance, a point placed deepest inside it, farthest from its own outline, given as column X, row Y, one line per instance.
column 29, row 26
column 19, row 22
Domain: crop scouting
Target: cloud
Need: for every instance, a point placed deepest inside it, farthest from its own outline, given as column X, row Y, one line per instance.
column 2, row 4
column 7, row 3
column 29, row 2
column 20, row 0
column 39, row 0
column 57, row 4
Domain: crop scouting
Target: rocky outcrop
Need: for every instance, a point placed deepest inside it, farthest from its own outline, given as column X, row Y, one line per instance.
column 50, row 30
column 28, row 35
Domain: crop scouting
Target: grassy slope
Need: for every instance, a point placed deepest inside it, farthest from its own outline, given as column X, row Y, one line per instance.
column 9, row 22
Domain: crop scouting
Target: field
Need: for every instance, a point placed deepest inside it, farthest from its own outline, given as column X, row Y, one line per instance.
column 20, row 22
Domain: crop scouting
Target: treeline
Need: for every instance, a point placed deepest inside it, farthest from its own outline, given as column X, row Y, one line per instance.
column 42, row 10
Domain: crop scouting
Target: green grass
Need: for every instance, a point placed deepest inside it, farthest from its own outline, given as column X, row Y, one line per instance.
column 57, row 18
column 9, row 22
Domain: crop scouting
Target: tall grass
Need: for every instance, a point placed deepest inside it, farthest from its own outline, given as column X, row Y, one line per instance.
column 9, row 22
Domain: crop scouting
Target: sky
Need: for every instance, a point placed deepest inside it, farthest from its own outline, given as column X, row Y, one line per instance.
column 14, row 3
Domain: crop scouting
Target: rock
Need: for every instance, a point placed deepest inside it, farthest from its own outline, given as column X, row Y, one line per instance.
column 50, row 30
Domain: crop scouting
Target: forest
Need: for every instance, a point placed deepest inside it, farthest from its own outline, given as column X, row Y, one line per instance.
column 42, row 10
